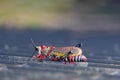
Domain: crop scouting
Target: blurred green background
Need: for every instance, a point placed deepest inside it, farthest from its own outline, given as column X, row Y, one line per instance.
column 78, row 15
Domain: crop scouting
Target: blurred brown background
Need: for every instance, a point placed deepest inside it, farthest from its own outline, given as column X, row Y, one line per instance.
column 75, row 15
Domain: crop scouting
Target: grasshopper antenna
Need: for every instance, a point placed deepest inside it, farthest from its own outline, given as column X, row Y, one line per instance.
column 34, row 45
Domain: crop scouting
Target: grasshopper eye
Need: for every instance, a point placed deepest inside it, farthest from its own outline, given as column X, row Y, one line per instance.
column 36, row 48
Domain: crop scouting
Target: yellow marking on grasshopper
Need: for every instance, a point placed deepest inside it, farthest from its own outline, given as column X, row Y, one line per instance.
column 60, row 54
